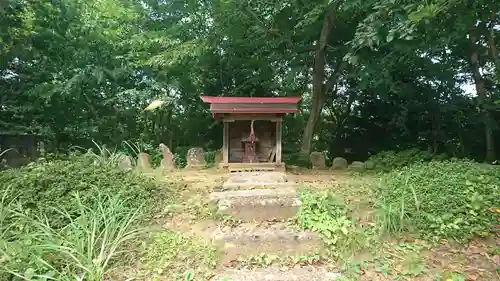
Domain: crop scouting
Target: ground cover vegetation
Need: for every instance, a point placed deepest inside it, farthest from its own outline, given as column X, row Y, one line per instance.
column 392, row 224
column 411, row 86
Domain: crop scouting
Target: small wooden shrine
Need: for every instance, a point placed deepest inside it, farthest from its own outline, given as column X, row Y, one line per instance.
column 252, row 129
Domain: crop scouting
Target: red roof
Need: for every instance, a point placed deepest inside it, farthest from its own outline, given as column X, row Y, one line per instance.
column 268, row 100
column 241, row 105
column 254, row 110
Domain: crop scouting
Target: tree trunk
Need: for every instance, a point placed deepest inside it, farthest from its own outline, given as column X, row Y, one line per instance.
column 481, row 93
column 319, row 89
column 436, row 130
column 493, row 46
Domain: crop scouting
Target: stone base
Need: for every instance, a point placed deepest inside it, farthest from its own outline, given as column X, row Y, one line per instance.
column 308, row 273
column 261, row 166
column 194, row 167
column 258, row 204
column 258, row 176
column 277, row 239
column 256, row 185
column 252, row 180
column 253, row 195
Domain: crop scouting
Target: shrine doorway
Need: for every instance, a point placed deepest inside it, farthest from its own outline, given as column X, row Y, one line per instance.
column 240, row 147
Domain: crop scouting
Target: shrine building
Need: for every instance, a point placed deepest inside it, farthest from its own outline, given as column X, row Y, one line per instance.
column 252, row 135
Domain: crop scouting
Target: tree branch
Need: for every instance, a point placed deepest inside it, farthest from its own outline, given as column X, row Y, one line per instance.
column 274, row 32
column 332, row 80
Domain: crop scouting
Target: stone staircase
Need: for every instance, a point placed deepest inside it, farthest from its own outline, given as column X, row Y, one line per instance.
column 263, row 201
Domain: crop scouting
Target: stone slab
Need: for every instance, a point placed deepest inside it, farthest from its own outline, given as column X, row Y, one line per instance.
column 308, row 273
column 254, row 179
column 272, row 176
column 254, row 185
column 254, row 194
column 277, row 239
column 258, row 204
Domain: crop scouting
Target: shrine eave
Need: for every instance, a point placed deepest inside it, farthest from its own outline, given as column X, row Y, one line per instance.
column 253, row 111
column 245, row 106
column 250, row 100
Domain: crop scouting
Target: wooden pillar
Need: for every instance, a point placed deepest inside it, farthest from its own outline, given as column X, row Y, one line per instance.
column 278, row 142
column 225, row 143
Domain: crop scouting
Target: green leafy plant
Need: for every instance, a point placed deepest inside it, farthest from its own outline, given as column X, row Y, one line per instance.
column 180, row 156
column 172, row 253
column 324, row 213
column 440, row 199
column 210, row 158
column 388, row 160
column 266, row 260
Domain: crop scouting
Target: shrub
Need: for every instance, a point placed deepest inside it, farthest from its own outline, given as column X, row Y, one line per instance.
column 327, row 215
column 440, row 199
column 210, row 158
column 388, row 160
column 43, row 184
column 297, row 159
column 180, row 156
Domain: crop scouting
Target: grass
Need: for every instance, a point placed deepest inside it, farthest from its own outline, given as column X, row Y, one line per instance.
column 171, row 253
column 393, row 251
column 365, row 240
column 82, row 250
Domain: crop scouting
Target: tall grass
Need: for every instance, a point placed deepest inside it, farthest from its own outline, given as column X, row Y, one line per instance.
column 82, row 250
column 135, row 148
column 114, row 156
column 4, row 152
column 7, row 150
column 105, row 156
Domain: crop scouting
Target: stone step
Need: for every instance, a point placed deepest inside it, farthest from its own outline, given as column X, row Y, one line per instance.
column 308, row 273
column 247, row 240
column 248, row 167
column 246, row 176
column 255, row 185
column 253, row 169
column 248, row 180
column 253, row 180
column 258, row 204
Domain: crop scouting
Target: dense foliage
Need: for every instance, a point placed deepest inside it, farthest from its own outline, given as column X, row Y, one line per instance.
column 441, row 199
column 388, row 160
column 42, row 185
column 374, row 75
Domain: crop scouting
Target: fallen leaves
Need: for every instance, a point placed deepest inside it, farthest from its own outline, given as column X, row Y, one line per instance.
column 472, row 276
column 496, row 260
